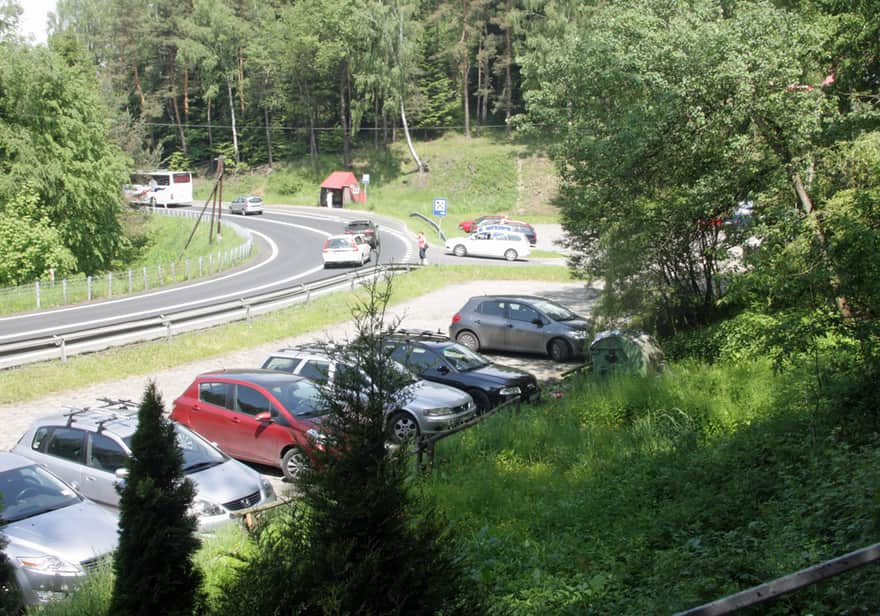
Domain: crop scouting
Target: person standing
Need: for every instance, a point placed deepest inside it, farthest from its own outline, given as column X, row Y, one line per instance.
column 423, row 248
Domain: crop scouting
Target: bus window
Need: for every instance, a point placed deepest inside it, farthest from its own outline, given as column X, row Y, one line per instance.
column 182, row 178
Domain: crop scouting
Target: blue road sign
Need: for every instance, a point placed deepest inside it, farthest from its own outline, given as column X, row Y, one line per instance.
column 440, row 207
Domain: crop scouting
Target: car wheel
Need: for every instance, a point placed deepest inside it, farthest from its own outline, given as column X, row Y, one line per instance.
column 510, row 254
column 401, row 427
column 293, row 463
column 559, row 350
column 459, row 251
column 469, row 339
column 481, row 400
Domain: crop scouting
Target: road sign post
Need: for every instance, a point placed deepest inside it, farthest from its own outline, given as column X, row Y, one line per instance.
column 440, row 211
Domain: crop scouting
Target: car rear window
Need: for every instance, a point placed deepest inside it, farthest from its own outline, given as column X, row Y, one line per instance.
column 339, row 243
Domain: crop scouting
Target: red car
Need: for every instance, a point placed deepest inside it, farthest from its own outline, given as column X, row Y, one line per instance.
column 255, row 415
column 469, row 226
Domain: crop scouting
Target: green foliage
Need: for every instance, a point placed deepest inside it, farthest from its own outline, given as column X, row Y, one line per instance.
column 10, row 594
column 360, row 539
column 635, row 496
column 178, row 161
column 30, row 245
column 54, row 135
column 92, row 597
column 153, row 563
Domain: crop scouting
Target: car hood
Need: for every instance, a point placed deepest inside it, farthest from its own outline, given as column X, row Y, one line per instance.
column 501, row 375
column 77, row 533
column 425, row 394
column 579, row 324
column 226, row 482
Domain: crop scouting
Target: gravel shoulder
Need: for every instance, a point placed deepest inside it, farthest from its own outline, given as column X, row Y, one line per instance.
column 431, row 312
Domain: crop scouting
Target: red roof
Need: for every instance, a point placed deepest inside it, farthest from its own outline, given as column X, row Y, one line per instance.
column 339, row 179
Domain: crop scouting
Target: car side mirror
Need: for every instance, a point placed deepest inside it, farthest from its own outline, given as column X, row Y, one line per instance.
column 537, row 321
column 443, row 370
column 265, row 417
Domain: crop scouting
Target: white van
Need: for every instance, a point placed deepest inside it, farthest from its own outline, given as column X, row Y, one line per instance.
column 159, row 188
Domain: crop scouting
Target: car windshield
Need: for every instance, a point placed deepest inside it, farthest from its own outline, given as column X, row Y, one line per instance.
column 197, row 453
column 462, row 358
column 554, row 310
column 30, row 490
column 301, row 399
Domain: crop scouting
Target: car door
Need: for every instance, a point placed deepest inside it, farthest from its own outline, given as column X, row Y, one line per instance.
column 480, row 244
column 60, row 449
column 525, row 332
column 490, row 323
column 104, row 455
column 212, row 415
column 258, row 440
column 431, row 366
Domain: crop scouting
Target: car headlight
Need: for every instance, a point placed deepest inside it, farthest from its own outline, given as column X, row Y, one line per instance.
column 316, row 438
column 510, row 391
column 266, row 487
column 438, row 412
column 204, row 508
column 577, row 333
column 48, row 564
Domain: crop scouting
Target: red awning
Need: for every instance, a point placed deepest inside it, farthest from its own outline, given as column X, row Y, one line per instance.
column 339, row 179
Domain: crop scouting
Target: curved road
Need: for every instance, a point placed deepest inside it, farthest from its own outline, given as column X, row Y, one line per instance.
column 289, row 242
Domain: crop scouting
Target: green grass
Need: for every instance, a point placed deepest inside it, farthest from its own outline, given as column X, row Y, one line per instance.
column 650, row 496
column 481, row 175
column 32, row 381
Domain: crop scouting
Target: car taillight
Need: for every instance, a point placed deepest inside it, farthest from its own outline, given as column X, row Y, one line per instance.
column 456, row 318
column 326, row 245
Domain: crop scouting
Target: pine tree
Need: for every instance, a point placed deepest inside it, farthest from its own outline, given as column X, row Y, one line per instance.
column 360, row 540
column 154, row 566
column 10, row 595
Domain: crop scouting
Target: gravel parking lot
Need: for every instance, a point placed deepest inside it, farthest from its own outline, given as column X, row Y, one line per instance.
column 431, row 312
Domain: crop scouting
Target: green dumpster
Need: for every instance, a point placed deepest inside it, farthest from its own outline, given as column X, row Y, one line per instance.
column 626, row 351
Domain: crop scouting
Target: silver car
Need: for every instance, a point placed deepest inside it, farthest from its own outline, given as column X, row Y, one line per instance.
column 55, row 537
column 520, row 323
column 427, row 408
column 89, row 448
column 248, row 204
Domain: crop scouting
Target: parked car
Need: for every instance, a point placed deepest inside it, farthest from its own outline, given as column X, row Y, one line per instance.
column 247, row 204
column 469, row 226
column 498, row 244
column 434, row 357
column 55, row 536
column 366, row 228
column 255, row 415
column 425, row 407
column 516, row 226
column 520, row 323
column 90, row 447
column 346, row 249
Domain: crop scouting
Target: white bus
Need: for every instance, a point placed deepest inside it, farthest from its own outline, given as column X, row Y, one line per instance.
column 159, row 188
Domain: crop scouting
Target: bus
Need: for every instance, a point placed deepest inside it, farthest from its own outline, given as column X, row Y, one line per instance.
column 159, row 188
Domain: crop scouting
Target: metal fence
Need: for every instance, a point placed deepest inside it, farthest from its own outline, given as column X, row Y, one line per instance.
column 50, row 292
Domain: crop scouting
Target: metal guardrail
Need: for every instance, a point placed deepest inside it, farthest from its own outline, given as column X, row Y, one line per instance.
column 430, row 222
column 92, row 339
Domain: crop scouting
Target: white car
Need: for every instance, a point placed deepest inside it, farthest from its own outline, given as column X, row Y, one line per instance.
column 347, row 249
column 245, row 205
column 499, row 244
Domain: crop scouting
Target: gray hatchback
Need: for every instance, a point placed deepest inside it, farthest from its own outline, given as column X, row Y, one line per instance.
column 89, row 448
column 520, row 323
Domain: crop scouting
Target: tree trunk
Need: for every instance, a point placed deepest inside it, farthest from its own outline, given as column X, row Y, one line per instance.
column 241, row 78
column 465, row 69
column 409, row 142
column 313, row 142
column 268, row 135
column 232, row 116
column 137, row 87
column 479, row 89
column 843, row 307
column 176, row 109
column 185, row 94
column 210, row 136
column 508, row 78
column 345, row 115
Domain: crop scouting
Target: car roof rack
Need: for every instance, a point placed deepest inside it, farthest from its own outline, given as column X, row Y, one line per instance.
column 422, row 333
column 109, row 410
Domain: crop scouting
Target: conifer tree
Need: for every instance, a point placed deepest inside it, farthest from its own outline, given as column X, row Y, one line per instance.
column 360, row 540
column 154, row 566
column 10, row 595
